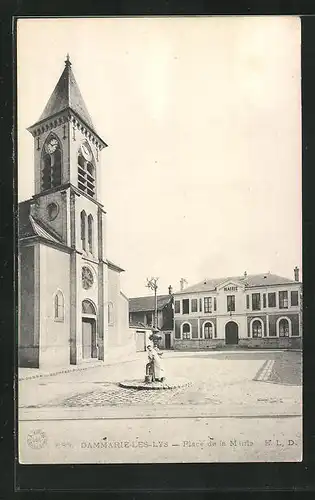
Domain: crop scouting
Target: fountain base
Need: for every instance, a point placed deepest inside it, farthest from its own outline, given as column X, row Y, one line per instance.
column 169, row 383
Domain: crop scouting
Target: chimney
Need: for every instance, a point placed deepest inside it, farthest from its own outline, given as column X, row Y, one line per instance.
column 170, row 290
column 296, row 274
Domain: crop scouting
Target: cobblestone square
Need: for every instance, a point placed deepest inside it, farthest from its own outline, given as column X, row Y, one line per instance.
column 232, row 394
column 217, row 378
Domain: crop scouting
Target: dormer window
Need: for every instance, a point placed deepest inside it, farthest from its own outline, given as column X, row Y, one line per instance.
column 86, row 170
column 51, row 163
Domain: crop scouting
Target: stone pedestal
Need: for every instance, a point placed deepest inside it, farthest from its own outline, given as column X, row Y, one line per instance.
column 169, row 383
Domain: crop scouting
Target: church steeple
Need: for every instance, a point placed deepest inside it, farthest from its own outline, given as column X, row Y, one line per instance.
column 67, row 95
column 66, row 145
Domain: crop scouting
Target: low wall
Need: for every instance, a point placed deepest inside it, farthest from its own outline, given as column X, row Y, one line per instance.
column 198, row 344
column 264, row 343
column 272, row 343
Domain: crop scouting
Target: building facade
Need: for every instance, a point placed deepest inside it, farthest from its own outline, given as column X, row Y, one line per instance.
column 71, row 308
column 141, row 314
column 142, row 334
column 254, row 311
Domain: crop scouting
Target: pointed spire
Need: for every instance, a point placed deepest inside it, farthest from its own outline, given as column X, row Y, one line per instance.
column 67, row 95
column 67, row 61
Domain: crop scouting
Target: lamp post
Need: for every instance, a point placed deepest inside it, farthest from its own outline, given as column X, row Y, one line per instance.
column 152, row 285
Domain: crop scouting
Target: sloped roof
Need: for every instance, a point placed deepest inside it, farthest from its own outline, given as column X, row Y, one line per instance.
column 114, row 266
column 29, row 226
column 140, row 326
column 251, row 280
column 67, row 95
column 43, row 232
column 139, row 304
column 25, row 228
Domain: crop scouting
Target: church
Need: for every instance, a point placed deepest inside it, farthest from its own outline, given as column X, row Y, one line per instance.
column 71, row 308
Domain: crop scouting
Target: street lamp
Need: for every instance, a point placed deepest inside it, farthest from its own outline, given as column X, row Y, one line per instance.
column 152, row 285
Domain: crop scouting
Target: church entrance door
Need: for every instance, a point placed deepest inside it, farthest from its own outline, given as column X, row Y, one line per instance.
column 89, row 344
column 89, row 338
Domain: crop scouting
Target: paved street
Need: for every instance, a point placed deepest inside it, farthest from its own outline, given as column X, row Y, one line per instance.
column 217, row 378
column 232, row 393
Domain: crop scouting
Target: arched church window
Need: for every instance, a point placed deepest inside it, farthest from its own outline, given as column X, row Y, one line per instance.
column 56, row 173
column 88, row 307
column 110, row 313
column 59, row 306
column 46, row 172
column 81, row 161
column 90, row 233
column 86, row 170
column 83, row 229
column 51, row 163
column 90, row 169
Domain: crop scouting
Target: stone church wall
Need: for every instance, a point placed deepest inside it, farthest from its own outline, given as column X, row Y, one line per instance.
column 60, row 224
column 54, row 334
column 28, row 345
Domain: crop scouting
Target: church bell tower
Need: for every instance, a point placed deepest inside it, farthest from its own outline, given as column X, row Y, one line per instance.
column 66, row 148
column 67, row 154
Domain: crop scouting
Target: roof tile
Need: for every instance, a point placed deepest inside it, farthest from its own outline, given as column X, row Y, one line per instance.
column 251, row 280
column 67, row 95
column 139, row 304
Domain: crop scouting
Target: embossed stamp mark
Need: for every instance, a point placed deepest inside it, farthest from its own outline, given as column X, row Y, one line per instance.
column 37, row 439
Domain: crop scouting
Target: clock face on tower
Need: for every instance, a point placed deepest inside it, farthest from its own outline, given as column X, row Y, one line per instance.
column 52, row 145
column 87, row 278
column 86, row 153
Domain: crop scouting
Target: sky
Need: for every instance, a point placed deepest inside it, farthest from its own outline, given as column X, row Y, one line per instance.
column 202, row 176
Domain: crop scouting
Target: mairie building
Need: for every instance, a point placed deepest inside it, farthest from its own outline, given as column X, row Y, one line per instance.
column 254, row 311
column 71, row 308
